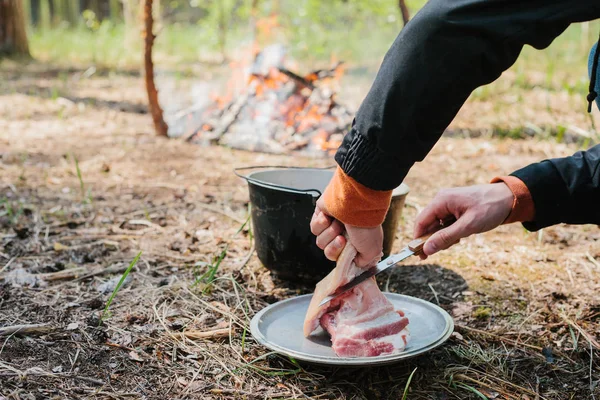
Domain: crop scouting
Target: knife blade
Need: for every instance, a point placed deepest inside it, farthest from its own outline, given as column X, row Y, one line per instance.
column 414, row 247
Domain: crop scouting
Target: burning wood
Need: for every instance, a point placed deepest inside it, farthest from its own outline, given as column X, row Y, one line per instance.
column 279, row 111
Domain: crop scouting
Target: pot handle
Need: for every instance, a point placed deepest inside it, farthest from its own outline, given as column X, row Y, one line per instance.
column 274, row 186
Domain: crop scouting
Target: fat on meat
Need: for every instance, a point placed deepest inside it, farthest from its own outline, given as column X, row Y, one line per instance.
column 362, row 322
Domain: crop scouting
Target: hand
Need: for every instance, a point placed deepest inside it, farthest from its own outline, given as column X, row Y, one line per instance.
column 367, row 241
column 477, row 209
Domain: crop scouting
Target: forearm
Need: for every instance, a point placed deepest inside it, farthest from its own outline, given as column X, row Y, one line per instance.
column 564, row 190
column 446, row 51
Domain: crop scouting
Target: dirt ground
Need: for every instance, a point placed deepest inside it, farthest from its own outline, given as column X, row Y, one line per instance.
column 525, row 305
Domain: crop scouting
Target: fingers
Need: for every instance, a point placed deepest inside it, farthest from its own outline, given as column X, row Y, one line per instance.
column 439, row 209
column 449, row 236
column 334, row 248
column 329, row 234
column 319, row 222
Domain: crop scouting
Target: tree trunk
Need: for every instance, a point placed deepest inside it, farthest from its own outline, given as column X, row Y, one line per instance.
column 157, row 115
column 45, row 15
column 131, row 16
column 27, row 12
column 404, row 11
column 74, row 12
column 59, row 11
column 115, row 10
column 13, row 33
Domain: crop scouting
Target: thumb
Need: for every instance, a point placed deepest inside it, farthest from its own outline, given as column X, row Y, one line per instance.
column 446, row 237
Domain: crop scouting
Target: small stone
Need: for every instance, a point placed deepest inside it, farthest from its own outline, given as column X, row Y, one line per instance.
column 72, row 326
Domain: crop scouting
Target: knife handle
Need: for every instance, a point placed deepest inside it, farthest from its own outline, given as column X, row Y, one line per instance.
column 416, row 245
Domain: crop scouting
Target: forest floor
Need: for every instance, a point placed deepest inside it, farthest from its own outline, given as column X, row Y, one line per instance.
column 525, row 305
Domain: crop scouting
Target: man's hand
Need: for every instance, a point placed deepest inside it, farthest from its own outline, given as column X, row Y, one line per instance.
column 477, row 209
column 329, row 232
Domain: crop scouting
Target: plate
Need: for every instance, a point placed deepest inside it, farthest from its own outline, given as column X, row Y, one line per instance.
column 279, row 328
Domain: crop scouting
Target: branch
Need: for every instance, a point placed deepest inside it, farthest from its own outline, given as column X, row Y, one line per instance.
column 157, row 114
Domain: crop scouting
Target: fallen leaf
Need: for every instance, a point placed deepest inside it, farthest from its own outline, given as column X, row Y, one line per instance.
column 20, row 278
column 135, row 356
column 461, row 309
column 220, row 306
column 72, row 326
column 488, row 277
column 60, row 247
column 182, row 381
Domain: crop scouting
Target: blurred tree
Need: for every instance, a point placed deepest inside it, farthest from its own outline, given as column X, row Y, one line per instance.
column 59, row 11
column 131, row 16
column 404, row 11
column 27, row 11
column 115, row 10
column 45, row 15
column 13, row 34
column 73, row 12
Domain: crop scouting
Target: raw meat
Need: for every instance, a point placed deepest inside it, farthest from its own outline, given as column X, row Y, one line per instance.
column 362, row 322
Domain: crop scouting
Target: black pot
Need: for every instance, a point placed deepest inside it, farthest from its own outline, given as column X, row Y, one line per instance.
column 282, row 203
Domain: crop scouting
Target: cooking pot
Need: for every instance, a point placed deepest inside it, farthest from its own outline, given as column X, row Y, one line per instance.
column 282, row 202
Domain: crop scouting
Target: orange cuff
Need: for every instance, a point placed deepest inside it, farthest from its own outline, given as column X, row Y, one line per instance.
column 523, row 208
column 355, row 204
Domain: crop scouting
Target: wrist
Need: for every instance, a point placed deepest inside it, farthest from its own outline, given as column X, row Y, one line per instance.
column 355, row 204
column 522, row 208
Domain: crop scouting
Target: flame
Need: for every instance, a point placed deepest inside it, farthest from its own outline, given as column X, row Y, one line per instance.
column 306, row 104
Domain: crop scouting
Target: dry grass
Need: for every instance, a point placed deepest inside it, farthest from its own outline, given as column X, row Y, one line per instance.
column 525, row 305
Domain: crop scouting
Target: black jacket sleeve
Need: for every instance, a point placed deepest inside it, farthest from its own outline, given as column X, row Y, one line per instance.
column 449, row 48
column 564, row 189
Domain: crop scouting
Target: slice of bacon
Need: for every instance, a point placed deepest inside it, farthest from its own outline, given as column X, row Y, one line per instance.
column 362, row 322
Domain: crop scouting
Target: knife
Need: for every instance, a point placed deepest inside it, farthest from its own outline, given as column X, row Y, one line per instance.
column 415, row 247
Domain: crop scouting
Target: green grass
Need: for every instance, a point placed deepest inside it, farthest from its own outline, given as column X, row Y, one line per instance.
column 105, row 313
column 208, row 277
column 405, row 394
column 87, row 198
column 472, row 390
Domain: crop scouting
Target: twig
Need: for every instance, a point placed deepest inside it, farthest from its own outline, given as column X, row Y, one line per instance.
column 222, row 212
column 434, row 293
column 489, row 386
column 40, row 372
column 248, row 257
column 592, row 260
column 64, row 274
column 513, row 342
column 8, row 264
column 32, row 329
column 586, row 335
column 216, row 333
column 61, row 247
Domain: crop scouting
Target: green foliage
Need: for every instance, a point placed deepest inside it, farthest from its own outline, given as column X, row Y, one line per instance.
column 13, row 213
column 482, row 312
column 206, row 278
column 105, row 313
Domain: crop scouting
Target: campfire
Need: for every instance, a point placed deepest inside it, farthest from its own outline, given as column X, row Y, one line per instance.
column 277, row 111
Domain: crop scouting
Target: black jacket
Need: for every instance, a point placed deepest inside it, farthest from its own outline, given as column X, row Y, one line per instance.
column 450, row 48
